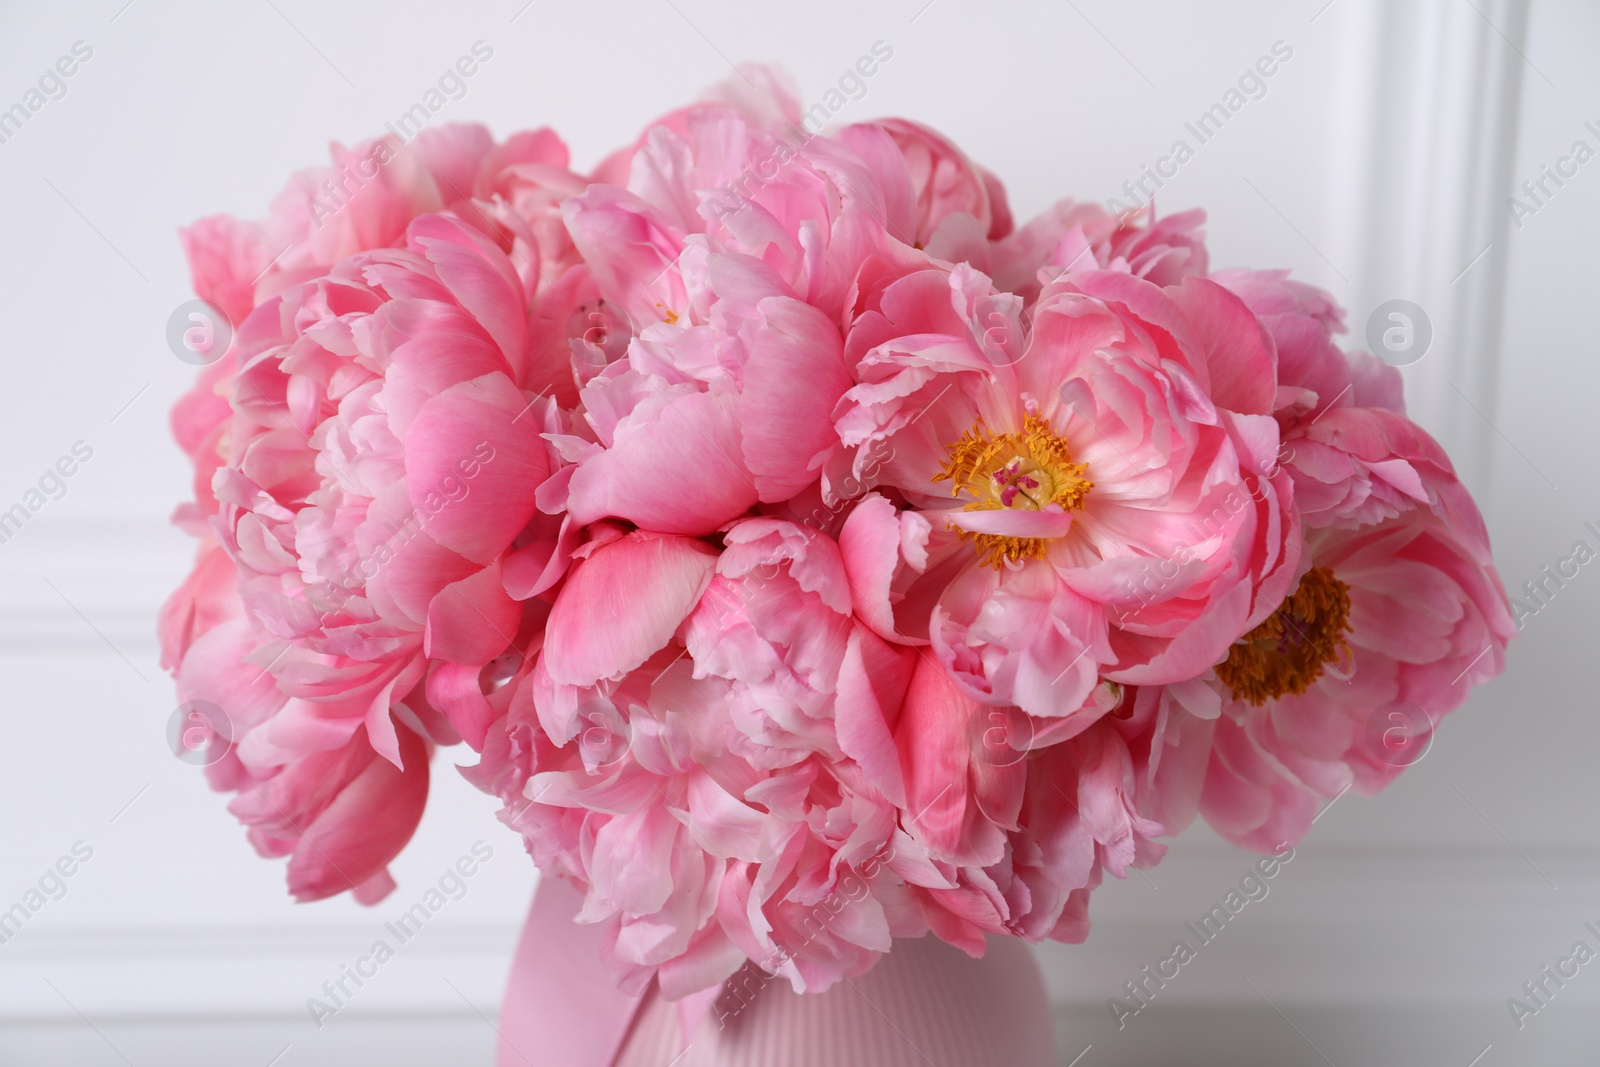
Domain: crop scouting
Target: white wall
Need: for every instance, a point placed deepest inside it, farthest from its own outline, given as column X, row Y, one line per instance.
column 1371, row 166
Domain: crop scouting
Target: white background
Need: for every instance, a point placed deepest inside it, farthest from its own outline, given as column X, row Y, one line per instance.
column 1377, row 165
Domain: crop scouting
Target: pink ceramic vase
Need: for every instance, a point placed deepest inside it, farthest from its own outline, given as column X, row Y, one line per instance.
column 926, row 1004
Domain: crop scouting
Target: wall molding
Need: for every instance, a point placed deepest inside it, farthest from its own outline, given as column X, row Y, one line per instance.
column 1429, row 140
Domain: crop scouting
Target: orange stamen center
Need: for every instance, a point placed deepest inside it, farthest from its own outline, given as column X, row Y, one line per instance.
column 1292, row 648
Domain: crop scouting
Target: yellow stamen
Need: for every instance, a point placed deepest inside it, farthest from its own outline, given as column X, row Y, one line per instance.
column 1029, row 469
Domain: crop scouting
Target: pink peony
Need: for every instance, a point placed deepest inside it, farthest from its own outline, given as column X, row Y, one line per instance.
column 1354, row 457
column 734, row 294
column 694, row 826
column 1099, row 490
column 367, row 197
column 763, row 96
column 1399, row 611
column 935, row 197
column 340, row 816
column 381, row 457
column 1076, row 236
column 1389, row 630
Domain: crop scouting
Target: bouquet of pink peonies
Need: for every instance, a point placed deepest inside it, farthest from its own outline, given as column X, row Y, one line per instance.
column 785, row 530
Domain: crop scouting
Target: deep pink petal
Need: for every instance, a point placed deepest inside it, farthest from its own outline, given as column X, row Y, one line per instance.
column 676, row 473
column 934, row 743
column 787, row 427
column 473, row 466
column 473, row 620
column 622, row 604
column 364, row 827
column 872, row 683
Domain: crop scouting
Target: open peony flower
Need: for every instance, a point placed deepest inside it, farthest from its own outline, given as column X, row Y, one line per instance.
column 696, row 825
column 382, row 459
column 1388, row 630
column 731, row 305
column 1100, row 489
column 1398, row 611
column 365, row 200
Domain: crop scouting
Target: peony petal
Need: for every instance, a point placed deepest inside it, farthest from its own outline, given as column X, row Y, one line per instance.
column 872, row 683
column 472, row 466
column 456, row 691
column 364, row 827
column 622, row 604
column 479, row 276
column 675, row 473
column 473, row 620
column 793, row 378
column 1239, row 352
column 932, row 736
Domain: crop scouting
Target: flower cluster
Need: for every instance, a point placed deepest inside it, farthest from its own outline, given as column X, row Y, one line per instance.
column 812, row 557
